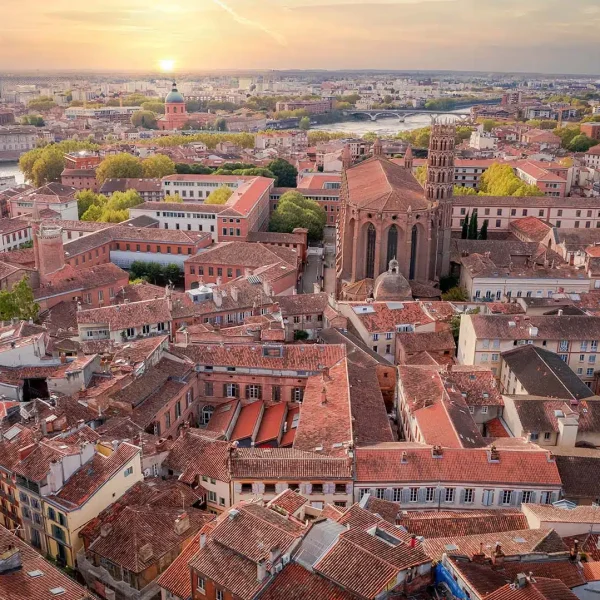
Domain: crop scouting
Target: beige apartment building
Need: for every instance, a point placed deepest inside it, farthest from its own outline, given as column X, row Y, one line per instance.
column 575, row 339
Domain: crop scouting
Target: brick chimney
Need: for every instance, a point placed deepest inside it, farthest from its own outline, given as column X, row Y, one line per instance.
column 498, row 555
column 261, row 570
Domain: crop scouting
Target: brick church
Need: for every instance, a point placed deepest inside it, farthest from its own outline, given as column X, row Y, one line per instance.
column 393, row 233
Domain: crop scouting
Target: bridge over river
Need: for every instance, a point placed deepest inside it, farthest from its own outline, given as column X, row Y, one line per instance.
column 402, row 113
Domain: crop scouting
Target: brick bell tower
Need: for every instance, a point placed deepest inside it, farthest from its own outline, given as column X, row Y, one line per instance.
column 439, row 187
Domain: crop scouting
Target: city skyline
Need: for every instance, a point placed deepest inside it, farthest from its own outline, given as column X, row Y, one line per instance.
column 190, row 35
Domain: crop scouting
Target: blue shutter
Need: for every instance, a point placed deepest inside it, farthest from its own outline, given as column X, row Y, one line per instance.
column 405, row 495
column 463, row 494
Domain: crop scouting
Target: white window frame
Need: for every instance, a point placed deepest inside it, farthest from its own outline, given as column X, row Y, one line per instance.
column 469, row 495
column 507, row 497
column 450, row 495
column 429, row 494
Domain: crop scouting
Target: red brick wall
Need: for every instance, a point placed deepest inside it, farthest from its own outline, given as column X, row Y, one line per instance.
column 210, row 590
column 80, row 183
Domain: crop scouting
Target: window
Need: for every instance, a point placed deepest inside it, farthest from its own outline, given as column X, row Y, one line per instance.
column 449, row 495
column 380, row 493
column 168, row 419
column 269, row 488
column 253, row 391
column 495, row 357
column 526, row 497
column 317, row 488
column 584, row 346
column 340, row 488
column 534, row 436
column 429, row 494
column 472, row 410
column 231, row 390
column 546, row 498
column 564, row 357
column 207, row 412
column 397, row 494
column 498, row 222
column 414, row 494
column 594, row 345
column 177, row 409
column 592, row 358
column 297, row 394
column 51, row 514
column 200, row 585
column 589, row 372
column 469, row 496
column 128, row 471
column 208, row 388
column 506, row 496
column 547, row 435
column 189, row 398
column 220, row 595
column 484, row 410
column 212, row 496
column 581, row 357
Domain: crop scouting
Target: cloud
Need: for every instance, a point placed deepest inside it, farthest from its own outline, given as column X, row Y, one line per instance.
column 278, row 37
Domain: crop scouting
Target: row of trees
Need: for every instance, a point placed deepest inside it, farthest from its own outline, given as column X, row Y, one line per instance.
column 470, row 228
column 103, row 209
column 572, row 139
column 294, row 210
column 126, row 165
column 155, row 273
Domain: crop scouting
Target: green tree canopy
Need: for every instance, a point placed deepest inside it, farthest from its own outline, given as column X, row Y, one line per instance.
column 456, row 294
column 144, row 118
column 304, row 123
column 581, row 143
column 285, row 172
column 294, row 210
column 85, row 199
column 219, row 196
column 158, row 165
column 500, row 180
column 119, row 166
column 46, row 163
column 35, row 120
column 154, row 106
column 155, row 272
column 113, row 209
column 43, row 103
column 566, row 134
column 18, row 303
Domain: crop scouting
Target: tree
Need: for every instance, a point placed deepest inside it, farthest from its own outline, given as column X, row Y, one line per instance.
column 221, row 125
column 500, row 180
column 464, row 191
column 43, row 103
column 284, row 172
column 581, row 143
column 304, row 123
column 294, row 210
column 48, row 168
column 85, row 199
column 109, row 210
column 18, row 303
column 93, row 213
column 473, row 226
column 219, row 196
column 483, row 232
column 456, row 294
column 173, row 198
column 144, row 118
column 566, row 134
column 463, row 133
column 158, row 166
column 172, row 273
column 465, row 227
column 35, row 120
column 119, row 166
column 154, row 106
column 255, row 172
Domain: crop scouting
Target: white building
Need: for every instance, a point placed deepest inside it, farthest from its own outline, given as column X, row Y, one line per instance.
column 17, row 139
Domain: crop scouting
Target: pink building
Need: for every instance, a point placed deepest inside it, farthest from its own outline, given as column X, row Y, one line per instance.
column 175, row 111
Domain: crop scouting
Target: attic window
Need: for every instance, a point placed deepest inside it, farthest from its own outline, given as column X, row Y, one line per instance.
column 273, row 351
column 57, row 591
column 559, row 413
column 519, row 540
column 451, row 547
column 36, row 573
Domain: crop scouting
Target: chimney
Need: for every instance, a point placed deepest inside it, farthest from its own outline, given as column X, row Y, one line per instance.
column 325, row 372
column 105, row 530
column 217, row 297
column 479, row 557
column 437, row 452
column 202, row 540
column 274, row 554
column 404, row 459
column 323, row 396
column 520, row 580
column 413, row 541
column 182, row 523
column 44, row 427
column 316, row 288
column 494, row 455
column 63, row 358
column 235, row 292
column 261, row 570
column 498, row 555
column 574, row 551
column 219, row 280
column 560, row 312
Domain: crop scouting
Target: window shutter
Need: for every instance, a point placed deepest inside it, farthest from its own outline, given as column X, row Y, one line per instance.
column 388, row 494
column 554, row 497
column 436, row 495
column 515, row 498
column 463, row 495
column 348, row 488
column 281, row 487
column 259, row 392
column 255, row 488
column 533, row 497
column 237, row 488
column 261, row 488
column 421, row 496
column 236, row 390
column 247, row 391
column 303, row 489
column 519, row 497
column 405, row 495
column 309, row 488
column 373, row 493
column 224, row 390
column 500, row 494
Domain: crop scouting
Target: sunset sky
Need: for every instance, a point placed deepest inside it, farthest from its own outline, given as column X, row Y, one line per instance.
column 503, row 35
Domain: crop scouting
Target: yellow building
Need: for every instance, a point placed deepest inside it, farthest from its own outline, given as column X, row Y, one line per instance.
column 96, row 485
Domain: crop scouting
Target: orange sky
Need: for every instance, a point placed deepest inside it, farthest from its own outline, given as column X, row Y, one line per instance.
column 506, row 35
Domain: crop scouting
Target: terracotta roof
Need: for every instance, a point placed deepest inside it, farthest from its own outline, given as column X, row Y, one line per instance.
column 385, row 316
column 247, row 421
column 431, row 341
column 303, row 304
column 297, row 583
column 194, row 456
column 245, row 254
column 138, row 527
column 271, row 424
column 380, row 185
column 552, row 514
column 49, row 584
column 541, row 589
column 533, row 228
column 477, row 385
column 325, row 416
column 303, row 357
column 431, row 524
column 287, row 463
column 383, row 463
column 121, row 316
column 177, row 579
column 580, row 476
column 289, row 501
column 222, row 417
column 514, row 543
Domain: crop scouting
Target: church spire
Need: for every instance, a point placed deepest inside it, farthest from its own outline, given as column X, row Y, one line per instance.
column 377, row 148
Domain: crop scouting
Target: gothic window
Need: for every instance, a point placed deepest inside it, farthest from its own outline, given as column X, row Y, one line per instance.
column 413, row 251
column 392, row 244
column 371, row 235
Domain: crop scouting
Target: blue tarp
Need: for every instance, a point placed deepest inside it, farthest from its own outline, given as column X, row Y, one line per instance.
column 442, row 575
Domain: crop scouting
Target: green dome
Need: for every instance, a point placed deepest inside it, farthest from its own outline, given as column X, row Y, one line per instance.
column 174, row 96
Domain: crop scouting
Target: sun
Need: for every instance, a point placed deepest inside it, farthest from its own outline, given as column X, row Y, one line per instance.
column 166, row 65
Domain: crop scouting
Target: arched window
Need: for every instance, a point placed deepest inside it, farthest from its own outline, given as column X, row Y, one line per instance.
column 207, row 412
column 413, row 251
column 174, row 109
column 371, row 236
column 392, row 244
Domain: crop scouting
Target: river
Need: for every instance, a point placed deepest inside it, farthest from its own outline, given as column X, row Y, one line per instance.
column 11, row 169
column 382, row 127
